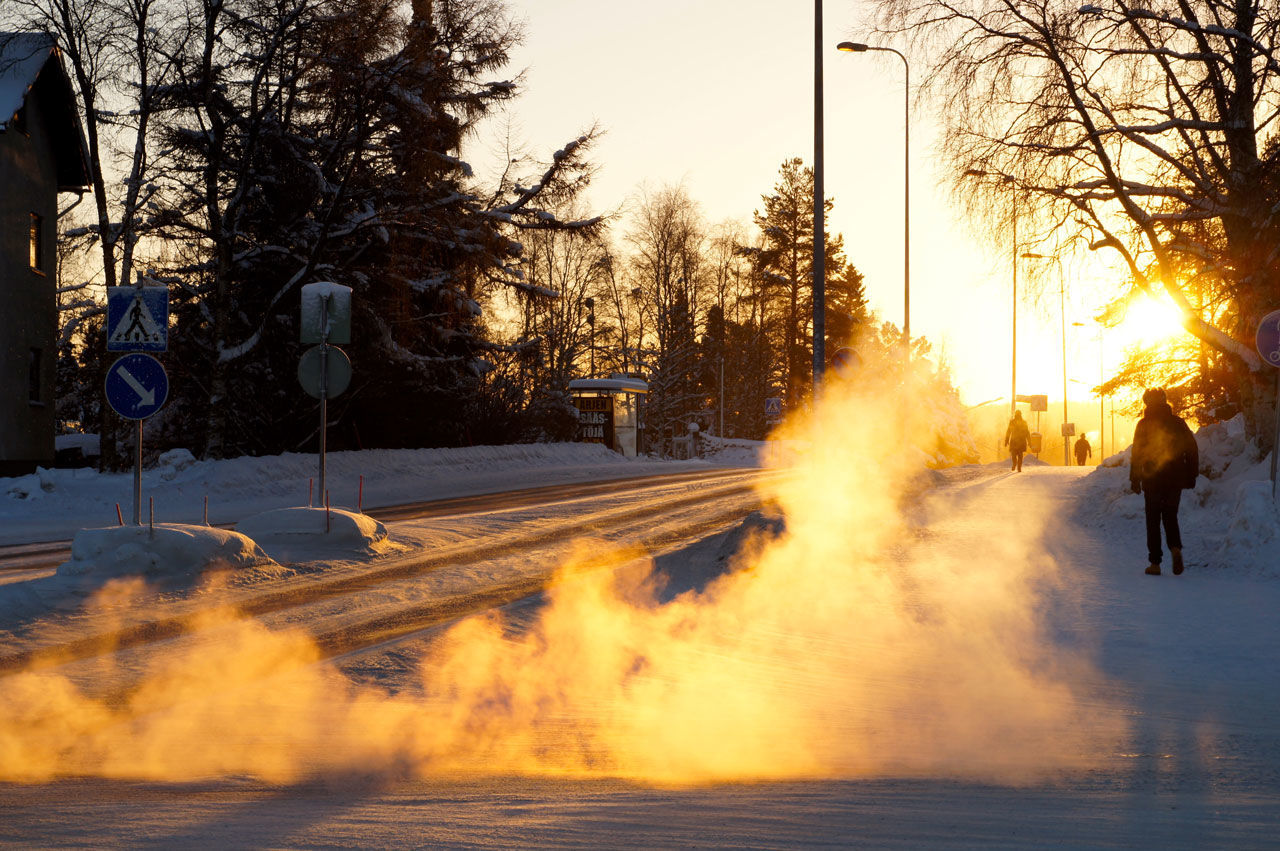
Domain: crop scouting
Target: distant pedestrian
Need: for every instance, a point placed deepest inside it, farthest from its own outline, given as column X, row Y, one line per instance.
column 1083, row 450
column 1016, row 437
column 1165, row 460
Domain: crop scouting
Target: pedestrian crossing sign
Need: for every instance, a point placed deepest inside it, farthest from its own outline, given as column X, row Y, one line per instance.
column 137, row 319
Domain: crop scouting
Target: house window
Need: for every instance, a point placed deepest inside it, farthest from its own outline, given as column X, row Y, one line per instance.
column 36, row 252
column 33, row 376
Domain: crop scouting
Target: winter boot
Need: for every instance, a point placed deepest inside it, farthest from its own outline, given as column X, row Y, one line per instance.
column 1152, row 570
column 1176, row 553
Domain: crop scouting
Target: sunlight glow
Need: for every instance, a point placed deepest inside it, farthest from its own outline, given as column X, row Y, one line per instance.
column 1148, row 322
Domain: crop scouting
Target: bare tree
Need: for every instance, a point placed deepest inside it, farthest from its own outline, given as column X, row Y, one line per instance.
column 562, row 271
column 1145, row 130
column 667, row 237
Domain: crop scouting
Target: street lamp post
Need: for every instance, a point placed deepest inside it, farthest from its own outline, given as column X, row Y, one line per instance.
column 856, row 47
column 819, row 210
column 638, row 349
column 591, row 320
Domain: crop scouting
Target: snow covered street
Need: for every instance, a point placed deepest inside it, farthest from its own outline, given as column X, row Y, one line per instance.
column 1002, row 676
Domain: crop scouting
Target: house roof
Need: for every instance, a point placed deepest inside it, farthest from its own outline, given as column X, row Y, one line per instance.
column 616, row 384
column 31, row 60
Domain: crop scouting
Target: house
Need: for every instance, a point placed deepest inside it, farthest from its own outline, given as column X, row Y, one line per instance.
column 42, row 153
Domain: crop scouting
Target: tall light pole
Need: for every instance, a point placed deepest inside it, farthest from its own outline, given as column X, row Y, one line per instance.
column 591, row 320
column 856, row 47
column 1013, row 360
column 819, row 211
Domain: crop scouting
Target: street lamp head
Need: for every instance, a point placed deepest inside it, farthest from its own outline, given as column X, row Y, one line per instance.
column 852, row 47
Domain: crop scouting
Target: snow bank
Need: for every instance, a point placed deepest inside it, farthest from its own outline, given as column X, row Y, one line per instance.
column 313, row 534
column 169, row 550
column 1252, row 540
column 1229, row 521
column 1222, row 447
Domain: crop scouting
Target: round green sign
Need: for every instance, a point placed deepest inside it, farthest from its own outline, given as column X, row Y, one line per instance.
column 338, row 371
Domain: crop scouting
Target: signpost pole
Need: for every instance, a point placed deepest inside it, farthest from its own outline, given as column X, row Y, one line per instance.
column 1275, row 441
column 326, row 322
column 137, row 474
column 1267, row 342
column 324, row 385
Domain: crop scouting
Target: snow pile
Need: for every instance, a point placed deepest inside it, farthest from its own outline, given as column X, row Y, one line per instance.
column 31, row 486
column 731, row 451
column 170, row 550
column 1229, row 521
column 1252, row 540
column 311, row 534
column 170, row 464
column 1222, row 446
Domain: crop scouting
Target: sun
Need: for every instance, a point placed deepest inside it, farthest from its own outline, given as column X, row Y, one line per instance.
column 1147, row 322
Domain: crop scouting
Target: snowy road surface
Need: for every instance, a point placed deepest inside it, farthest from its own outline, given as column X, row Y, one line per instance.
column 451, row 558
column 1006, row 676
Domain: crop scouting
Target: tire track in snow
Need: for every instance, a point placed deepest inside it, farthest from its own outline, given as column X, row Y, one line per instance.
column 739, row 486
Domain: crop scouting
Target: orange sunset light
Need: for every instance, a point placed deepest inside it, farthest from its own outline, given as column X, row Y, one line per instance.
column 1147, row 322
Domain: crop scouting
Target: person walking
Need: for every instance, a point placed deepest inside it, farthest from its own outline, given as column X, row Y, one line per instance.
column 1016, row 437
column 1083, row 450
column 1164, row 461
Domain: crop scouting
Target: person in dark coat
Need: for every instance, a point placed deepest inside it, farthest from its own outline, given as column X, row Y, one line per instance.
column 1083, row 450
column 1165, row 461
column 1016, row 437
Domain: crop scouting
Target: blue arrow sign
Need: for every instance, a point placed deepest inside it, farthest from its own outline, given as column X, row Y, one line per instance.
column 845, row 362
column 137, row 386
column 137, row 319
column 1268, row 339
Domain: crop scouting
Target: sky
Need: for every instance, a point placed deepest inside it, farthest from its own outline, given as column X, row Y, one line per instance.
column 717, row 93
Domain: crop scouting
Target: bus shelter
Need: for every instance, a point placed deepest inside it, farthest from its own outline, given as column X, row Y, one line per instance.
column 610, row 411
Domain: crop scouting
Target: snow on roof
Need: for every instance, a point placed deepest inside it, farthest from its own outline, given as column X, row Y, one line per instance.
column 22, row 57
column 617, row 384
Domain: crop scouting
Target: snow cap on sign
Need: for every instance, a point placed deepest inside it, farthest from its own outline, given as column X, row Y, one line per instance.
column 314, row 298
